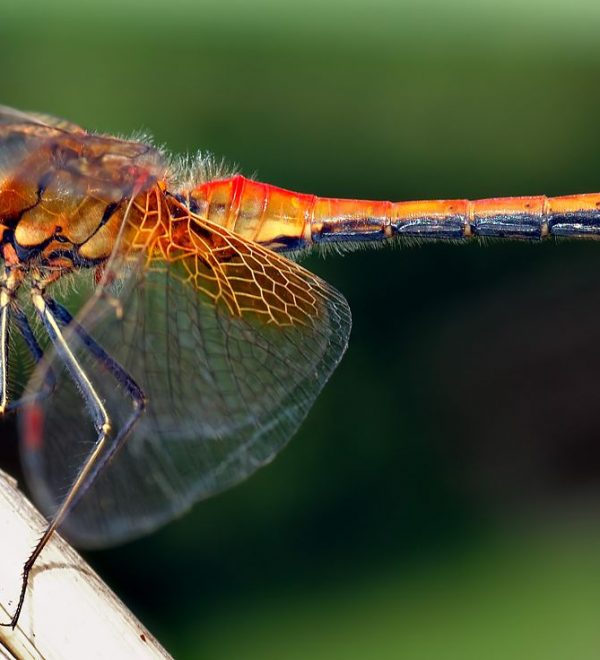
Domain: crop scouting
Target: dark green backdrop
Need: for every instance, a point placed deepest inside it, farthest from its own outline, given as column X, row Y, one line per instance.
column 443, row 498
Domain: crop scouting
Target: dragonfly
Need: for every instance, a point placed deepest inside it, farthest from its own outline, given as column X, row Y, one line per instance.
column 175, row 342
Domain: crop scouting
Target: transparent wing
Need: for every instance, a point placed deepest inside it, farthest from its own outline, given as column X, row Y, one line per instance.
column 39, row 154
column 231, row 344
column 11, row 116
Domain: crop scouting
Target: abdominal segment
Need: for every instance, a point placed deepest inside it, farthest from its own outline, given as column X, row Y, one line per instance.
column 286, row 221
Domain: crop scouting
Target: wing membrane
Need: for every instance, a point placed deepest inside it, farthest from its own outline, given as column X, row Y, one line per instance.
column 231, row 344
column 13, row 117
column 41, row 153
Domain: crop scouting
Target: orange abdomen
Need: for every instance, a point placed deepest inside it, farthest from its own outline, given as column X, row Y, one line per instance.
column 288, row 221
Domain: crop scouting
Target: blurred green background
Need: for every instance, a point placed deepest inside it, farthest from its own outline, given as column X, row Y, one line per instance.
column 443, row 498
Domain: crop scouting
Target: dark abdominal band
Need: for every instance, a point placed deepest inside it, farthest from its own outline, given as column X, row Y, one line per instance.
column 524, row 226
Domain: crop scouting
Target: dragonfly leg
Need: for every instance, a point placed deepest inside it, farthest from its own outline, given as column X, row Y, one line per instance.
column 101, row 422
column 4, row 312
column 123, row 378
column 9, row 283
column 22, row 323
column 53, row 316
column 138, row 397
column 10, row 311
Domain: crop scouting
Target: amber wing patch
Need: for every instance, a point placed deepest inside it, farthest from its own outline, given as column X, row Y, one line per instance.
column 244, row 276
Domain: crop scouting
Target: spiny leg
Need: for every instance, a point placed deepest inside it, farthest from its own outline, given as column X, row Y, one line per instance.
column 9, row 283
column 54, row 315
column 19, row 318
column 4, row 310
column 64, row 317
column 10, row 311
column 101, row 422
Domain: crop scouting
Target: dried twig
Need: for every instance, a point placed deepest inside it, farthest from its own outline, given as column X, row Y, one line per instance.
column 68, row 612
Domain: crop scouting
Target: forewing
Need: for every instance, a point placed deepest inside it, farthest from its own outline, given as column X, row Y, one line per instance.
column 13, row 117
column 231, row 344
column 39, row 154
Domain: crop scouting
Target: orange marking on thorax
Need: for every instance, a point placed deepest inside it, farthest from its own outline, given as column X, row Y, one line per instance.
column 9, row 255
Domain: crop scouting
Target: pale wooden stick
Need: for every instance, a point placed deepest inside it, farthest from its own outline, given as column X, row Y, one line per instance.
column 68, row 612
